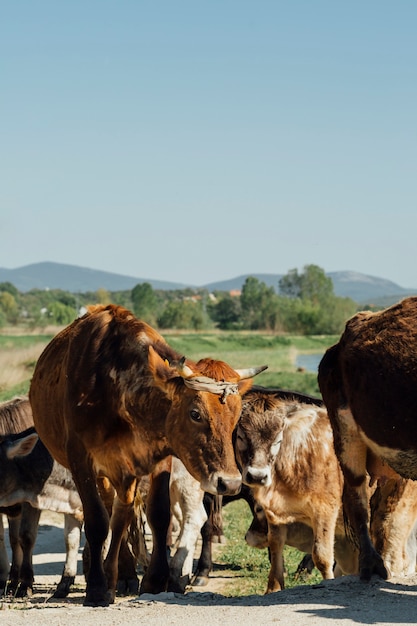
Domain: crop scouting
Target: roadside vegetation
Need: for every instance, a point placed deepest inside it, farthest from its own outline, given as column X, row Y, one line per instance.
column 301, row 304
column 19, row 353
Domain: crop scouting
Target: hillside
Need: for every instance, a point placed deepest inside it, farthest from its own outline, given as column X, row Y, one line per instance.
column 362, row 288
column 73, row 278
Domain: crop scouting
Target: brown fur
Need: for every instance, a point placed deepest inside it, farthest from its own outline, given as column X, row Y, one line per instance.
column 368, row 381
column 15, row 416
column 107, row 398
column 305, row 482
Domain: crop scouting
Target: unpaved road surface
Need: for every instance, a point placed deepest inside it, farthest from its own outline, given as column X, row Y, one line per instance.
column 341, row 602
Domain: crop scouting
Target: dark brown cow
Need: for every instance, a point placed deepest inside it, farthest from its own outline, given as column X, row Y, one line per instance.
column 368, row 381
column 111, row 397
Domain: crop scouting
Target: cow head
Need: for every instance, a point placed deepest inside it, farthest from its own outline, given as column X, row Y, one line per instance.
column 258, row 441
column 205, row 405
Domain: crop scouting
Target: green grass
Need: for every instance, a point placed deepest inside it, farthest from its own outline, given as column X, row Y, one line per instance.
column 21, row 389
column 8, row 342
column 245, row 350
column 239, row 349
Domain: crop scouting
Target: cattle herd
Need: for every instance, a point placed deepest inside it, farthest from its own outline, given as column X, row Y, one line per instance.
column 119, row 431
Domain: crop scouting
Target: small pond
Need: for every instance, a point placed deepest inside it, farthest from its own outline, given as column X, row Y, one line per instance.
column 309, row 362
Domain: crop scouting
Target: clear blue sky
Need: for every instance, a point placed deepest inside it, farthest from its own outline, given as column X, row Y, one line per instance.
column 194, row 141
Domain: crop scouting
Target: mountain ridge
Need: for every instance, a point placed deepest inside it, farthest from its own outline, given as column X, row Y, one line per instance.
column 78, row 279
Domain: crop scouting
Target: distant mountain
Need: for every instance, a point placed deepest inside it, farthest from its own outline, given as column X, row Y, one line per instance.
column 271, row 280
column 75, row 279
column 362, row 288
column 367, row 289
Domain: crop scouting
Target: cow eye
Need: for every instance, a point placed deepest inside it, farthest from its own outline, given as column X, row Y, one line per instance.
column 195, row 415
column 241, row 441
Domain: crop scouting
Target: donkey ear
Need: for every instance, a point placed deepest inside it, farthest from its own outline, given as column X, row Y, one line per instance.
column 22, row 447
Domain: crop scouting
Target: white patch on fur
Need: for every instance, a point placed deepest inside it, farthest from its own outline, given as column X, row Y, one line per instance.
column 275, row 448
column 297, row 432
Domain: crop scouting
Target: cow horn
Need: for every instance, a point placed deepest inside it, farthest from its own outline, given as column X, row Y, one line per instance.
column 250, row 372
column 183, row 370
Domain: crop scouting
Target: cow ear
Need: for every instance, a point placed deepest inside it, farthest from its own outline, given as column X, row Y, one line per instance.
column 244, row 386
column 161, row 370
column 22, row 447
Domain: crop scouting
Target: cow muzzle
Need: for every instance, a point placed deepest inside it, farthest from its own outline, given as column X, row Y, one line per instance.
column 219, row 484
column 257, row 476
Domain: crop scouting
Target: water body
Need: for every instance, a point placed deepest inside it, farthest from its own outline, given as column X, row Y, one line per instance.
column 309, row 362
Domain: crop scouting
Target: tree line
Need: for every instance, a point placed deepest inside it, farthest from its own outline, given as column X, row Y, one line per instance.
column 304, row 303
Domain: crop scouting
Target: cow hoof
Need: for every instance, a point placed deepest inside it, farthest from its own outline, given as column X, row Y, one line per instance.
column 154, row 582
column 178, row 585
column 200, row 581
column 96, row 597
column 64, row 587
column 11, row 588
column 23, row 591
column 374, row 565
column 128, row 587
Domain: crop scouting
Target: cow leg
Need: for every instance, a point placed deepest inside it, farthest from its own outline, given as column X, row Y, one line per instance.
column 96, row 522
column 355, row 506
column 23, row 533
column 277, row 534
column 346, row 556
column 305, row 567
column 122, row 516
column 72, row 535
column 393, row 514
column 158, row 514
column 323, row 544
column 4, row 559
column 352, row 454
column 185, row 491
column 205, row 561
column 17, row 554
column 127, row 582
column 257, row 533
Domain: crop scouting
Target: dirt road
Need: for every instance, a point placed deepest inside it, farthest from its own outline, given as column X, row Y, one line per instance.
column 345, row 601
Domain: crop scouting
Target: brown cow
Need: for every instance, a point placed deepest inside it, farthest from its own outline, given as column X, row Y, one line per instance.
column 285, row 449
column 368, row 381
column 111, row 397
